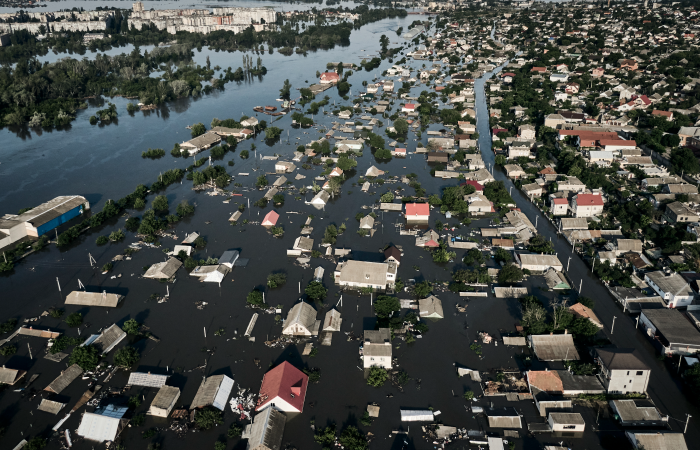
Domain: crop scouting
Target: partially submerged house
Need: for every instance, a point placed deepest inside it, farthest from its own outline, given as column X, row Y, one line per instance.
column 107, row 340
column 363, row 274
column 332, row 320
column 83, row 298
column 104, row 424
column 266, row 430
column 147, row 379
column 503, row 417
column 214, row 273
column 661, row 440
column 377, row 350
column 431, row 308
column 50, row 406
column 164, row 270
column 64, row 379
column 11, row 376
column 283, row 388
column 213, row 391
column 270, row 219
column 392, row 254
column 301, row 321
column 554, row 347
column 621, row 371
column 367, row 222
column 164, row 402
column 637, row 413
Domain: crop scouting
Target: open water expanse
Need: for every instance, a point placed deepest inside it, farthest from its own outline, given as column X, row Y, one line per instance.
column 104, row 162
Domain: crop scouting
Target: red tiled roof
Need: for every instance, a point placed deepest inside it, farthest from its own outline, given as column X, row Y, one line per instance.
column 657, row 112
column 270, row 218
column 545, row 380
column 417, row 209
column 330, row 76
column 410, row 106
column 476, row 184
column 560, row 201
column 285, row 382
column 548, row 171
column 588, row 200
column 604, row 142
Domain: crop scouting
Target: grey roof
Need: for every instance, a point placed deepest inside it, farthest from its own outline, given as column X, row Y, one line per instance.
column 635, row 410
column 571, row 382
column 629, row 245
column 364, row 272
column 673, row 284
column 64, row 379
column 301, row 314
column 165, row 397
column 554, row 347
column 109, row 338
column 332, row 321
column 104, row 424
column 679, row 209
column 567, row 418
column 673, row 325
column 657, row 440
column 322, row 196
column 50, row 406
column 93, row 299
column 267, row 430
column 574, row 224
column 229, row 256
column 50, row 210
column 503, row 417
column 204, row 140
column 367, row 222
column 164, row 269
column 147, row 379
column 430, row 307
column 10, row 376
column 380, row 336
column 620, row 359
column 209, row 390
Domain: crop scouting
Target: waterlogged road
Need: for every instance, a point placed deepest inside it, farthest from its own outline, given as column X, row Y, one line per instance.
column 664, row 387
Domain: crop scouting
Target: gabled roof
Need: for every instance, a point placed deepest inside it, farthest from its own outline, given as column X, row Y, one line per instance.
column 64, row 379
column 394, row 252
column 301, row 314
column 164, row 269
column 588, row 200
column 146, row 379
column 417, row 209
column 620, row 359
column 213, row 391
column 109, row 338
column 270, row 218
column 286, row 382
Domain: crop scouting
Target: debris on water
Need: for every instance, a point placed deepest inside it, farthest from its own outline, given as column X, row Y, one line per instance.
column 200, row 304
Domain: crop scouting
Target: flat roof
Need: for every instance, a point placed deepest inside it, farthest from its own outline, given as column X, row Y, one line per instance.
column 673, row 325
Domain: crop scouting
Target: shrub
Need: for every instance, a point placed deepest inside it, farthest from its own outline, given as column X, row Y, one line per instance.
column 131, row 326
column 102, row 240
column 8, row 350
column 377, row 376
column 74, row 320
column 207, row 418
column 315, row 290
column 255, row 298
column 234, row 431
column 87, row 357
column 126, row 357
column 276, row 280
column 469, row 395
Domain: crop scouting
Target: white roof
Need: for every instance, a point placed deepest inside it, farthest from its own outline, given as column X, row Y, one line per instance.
column 97, row 427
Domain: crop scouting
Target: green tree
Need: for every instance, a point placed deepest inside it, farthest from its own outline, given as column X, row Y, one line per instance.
column 126, row 357
column 286, row 88
column 326, row 436
column 261, row 181
column 330, row 235
column 510, row 273
column 207, row 418
column 160, row 204
column 386, row 305
column 132, row 327
column 74, row 320
column 35, row 443
column 346, row 163
column 377, row 376
column 255, row 298
column 422, row 289
column 184, row 209
column 198, row 129
column 469, row 396
column 383, row 153
column 502, row 255
column 316, row 291
column 401, row 126
column 276, row 279
column 442, row 255
column 272, row 133
column 501, row 160
column 387, row 197
column 474, row 257
column 87, row 357
column 352, row 439
column 235, row 430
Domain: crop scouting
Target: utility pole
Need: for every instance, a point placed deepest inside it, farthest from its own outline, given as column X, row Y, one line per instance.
column 59, row 284
column 687, row 419
column 567, row 263
column 613, row 325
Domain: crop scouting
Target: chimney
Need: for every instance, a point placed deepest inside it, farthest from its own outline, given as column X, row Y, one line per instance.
column 551, row 333
column 566, row 331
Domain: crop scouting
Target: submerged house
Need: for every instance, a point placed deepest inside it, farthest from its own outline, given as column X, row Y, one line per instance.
column 301, row 321
column 266, row 431
column 164, row 270
column 107, row 340
column 83, row 298
column 213, row 391
column 283, row 388
column 431, row 308
column 165, row 400
column 104, row 424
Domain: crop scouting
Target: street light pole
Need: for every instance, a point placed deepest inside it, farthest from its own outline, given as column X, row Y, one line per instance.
column 567, row 264
column 687, row 419
column 613, row 325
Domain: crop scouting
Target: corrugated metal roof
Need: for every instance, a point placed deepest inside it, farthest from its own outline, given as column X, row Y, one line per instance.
column 147, row 379
column 109, row 338
column 96, row 427
column 554, row 347
column 416, row 415
column 267, row 429
column 50, row 406
column 209, row 391
column 165, row 397
column 50, row 210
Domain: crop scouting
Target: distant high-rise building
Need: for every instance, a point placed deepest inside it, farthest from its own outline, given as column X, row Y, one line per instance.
column 137, row 6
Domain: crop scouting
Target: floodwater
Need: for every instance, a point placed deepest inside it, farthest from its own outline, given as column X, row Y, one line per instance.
column 104, row 162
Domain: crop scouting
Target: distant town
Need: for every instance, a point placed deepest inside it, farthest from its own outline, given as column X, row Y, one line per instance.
column 357, row 261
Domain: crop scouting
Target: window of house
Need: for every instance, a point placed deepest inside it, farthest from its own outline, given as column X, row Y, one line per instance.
column 640, row 373
column 569, row 427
